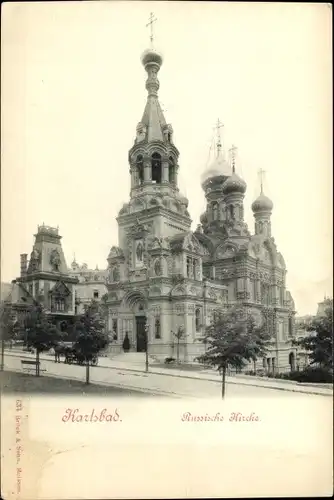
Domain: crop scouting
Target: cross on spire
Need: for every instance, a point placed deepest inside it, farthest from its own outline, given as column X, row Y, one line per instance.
column 233, row 151
column 218, row 126
column 152, row 20
column 261, row 174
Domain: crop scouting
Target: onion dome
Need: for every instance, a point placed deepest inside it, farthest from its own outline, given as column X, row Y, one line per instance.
column 218, row 168
column 151, row 56
column 262, row 204
column 234, row 184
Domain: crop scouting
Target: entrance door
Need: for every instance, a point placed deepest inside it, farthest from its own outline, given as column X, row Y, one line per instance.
column 141, row 334
column 292, row 361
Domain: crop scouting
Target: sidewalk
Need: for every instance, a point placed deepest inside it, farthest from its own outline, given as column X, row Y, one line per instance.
column 277, row 384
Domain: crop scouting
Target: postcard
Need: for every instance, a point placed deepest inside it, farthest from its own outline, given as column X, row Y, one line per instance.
column 166, row 273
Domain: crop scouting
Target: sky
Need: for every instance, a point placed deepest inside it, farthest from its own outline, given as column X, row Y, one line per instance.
column 73, row 91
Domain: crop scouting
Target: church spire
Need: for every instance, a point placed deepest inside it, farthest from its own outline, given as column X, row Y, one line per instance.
column 153, row 126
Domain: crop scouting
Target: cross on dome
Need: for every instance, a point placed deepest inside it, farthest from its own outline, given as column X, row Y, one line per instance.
column 233, row 151
column 152, row 20
column 261, row 174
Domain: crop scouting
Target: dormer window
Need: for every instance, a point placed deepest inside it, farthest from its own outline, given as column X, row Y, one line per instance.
column 168, row 133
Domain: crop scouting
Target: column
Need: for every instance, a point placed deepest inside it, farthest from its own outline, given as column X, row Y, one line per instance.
column 134, row 175
column 247, row 288
column 186, row 331
column 258, row 290
column 176, row 173
column 147, row 169
column 275, row 294
column 165, row 169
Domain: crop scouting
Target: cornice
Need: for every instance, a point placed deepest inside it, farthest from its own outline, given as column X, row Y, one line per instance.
column 44, row 275
column 125, row 219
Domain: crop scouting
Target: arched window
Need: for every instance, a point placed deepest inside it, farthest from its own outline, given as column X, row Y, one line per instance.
column 231, row 208
column 215, row 211
column 157, row 268
column 140, row 169
column 171, row 171
column 198, row 319
column 156, row 168
column 290, row 326
column 157, row 329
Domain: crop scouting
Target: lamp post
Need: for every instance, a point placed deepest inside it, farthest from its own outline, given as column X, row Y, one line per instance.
column 146, row 346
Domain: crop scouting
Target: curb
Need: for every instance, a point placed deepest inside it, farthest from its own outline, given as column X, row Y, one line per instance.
column 153, row 392
column 134, row 370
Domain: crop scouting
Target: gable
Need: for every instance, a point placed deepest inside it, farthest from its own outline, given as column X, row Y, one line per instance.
column 60, row 289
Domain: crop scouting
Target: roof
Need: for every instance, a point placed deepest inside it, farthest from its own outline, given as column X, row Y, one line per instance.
column 153, row 118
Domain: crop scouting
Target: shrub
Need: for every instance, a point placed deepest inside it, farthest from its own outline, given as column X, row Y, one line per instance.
column 250, row 372
column 312, row 374
column 169, row 360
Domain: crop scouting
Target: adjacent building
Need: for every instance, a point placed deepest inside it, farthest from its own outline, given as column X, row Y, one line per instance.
column 44, row 279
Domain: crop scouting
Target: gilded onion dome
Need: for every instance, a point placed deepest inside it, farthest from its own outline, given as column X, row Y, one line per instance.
column 262, row 204
column 218, row 168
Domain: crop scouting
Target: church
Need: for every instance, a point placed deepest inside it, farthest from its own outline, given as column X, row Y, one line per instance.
column 162, row 276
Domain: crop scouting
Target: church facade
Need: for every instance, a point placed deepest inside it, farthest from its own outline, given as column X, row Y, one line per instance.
column 163, row 276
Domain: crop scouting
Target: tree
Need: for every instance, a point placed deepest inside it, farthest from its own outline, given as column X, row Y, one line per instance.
column 179, row 335
column 8, row 328
column 233, row 338
column 319, row 343
column 90, row 334
column 126, row 343
column 41, row 332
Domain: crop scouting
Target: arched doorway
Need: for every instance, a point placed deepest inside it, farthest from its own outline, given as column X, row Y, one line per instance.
column 135, row 302
column 292, row 361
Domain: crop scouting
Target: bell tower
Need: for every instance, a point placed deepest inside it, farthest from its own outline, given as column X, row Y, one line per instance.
column 155, row 198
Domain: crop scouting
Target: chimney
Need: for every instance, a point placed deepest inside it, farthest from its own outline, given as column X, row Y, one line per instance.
column 24, row 263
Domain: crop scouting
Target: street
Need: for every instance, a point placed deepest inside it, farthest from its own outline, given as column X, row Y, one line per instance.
column 174, row 386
